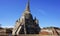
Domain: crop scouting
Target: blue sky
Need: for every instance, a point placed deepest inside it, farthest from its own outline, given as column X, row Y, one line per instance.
column 46, row 11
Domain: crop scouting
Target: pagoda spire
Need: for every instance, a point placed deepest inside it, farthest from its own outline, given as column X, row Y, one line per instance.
column 28, row 6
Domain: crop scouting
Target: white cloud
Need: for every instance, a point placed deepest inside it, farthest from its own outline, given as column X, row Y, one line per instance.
column 7, row 26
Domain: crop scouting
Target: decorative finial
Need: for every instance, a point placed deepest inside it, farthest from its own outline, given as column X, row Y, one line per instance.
column 28, row 6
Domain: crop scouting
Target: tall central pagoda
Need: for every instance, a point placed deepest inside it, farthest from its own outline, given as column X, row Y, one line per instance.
column 26, row 24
